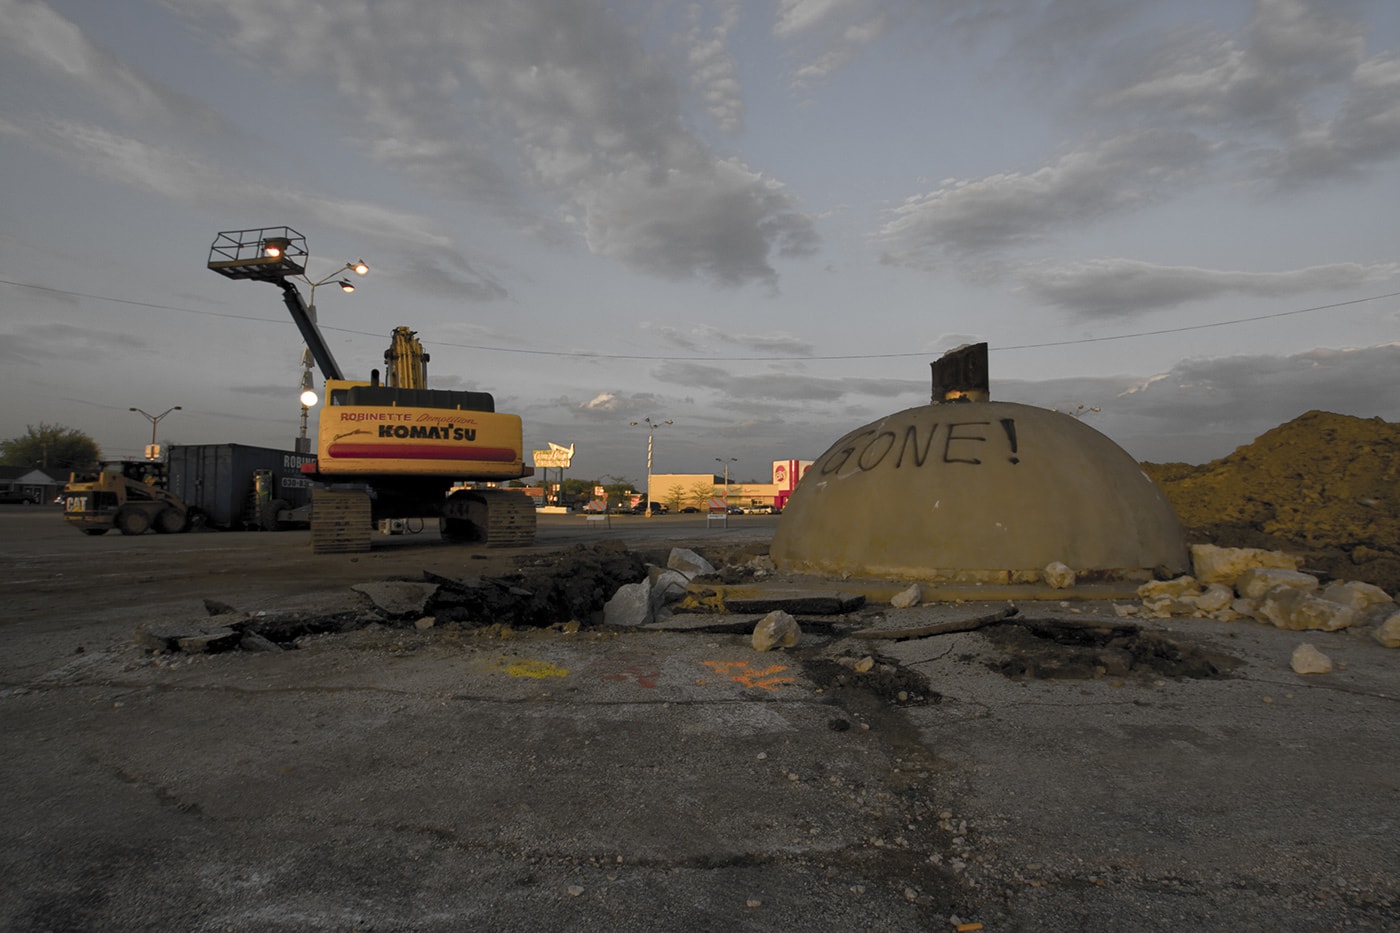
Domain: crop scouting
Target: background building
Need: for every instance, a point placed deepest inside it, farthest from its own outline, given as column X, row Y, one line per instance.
column 694, row 490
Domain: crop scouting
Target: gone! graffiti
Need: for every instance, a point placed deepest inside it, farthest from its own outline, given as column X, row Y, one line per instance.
column 914, row 445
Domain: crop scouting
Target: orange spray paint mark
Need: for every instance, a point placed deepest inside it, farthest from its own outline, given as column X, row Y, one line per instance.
column 741, row 673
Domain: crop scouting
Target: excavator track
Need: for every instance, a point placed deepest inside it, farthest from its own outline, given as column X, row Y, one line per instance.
column 340, row 521
column 494, row 517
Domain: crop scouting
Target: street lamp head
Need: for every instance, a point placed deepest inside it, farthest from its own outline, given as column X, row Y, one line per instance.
column 308, row 398
column 359, row 266
column 346, row 285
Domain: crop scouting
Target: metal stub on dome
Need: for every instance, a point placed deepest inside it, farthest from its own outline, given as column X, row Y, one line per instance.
column 961, row 375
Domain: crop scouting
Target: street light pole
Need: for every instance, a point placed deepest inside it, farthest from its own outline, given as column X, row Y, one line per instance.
column 153, row 452
column 651, row 430
column 726, row 461
column 308, row 393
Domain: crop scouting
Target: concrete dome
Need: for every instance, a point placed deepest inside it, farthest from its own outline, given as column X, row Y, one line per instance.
column 979, row 492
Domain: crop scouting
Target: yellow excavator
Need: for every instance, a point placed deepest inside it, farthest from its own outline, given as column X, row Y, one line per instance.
column 396, row 448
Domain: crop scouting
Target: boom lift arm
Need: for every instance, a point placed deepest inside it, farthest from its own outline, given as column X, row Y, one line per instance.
column 305, row 319
column 276, row 255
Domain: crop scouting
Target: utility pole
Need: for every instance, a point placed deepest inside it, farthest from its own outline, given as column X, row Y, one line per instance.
column 651, row 430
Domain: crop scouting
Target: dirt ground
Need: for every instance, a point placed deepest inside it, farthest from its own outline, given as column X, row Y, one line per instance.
column 1323, row 485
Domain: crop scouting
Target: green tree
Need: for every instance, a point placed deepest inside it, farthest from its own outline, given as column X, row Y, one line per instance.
column 51, row 446
column 675, row 498
column 576, row 492
column 700, row 495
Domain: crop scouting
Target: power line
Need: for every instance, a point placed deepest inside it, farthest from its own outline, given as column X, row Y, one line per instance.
column 1182, row 329
column 588, row 355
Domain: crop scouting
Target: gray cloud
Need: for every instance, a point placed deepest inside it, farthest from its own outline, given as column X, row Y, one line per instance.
column 1225, row 401
column 1124, row 287
column 1294, row 95
column 968, row 218
column 451, row 277
column 714, row 72
column 1293, row 99
column 792, row 387
column 562, row 89
column 36, row 344
column 1040, row 40
column 37, row 33
column 697, row 338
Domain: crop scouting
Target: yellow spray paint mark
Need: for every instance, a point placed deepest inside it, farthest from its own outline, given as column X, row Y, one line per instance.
column 741, row 673
column 536, row 670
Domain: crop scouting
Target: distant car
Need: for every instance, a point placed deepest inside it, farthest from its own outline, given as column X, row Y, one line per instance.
column 657, row 508
column 735, row 510
column 761, row 510
column 17, row 497
column 690, row 510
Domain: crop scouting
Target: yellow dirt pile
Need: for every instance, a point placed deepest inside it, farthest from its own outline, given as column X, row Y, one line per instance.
column 1323, row 486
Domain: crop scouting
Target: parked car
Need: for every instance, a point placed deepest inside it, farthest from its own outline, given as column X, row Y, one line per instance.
column 17, row 497
column 689, row 510
column 735, row 510
column 657, row 508
column 761, row 510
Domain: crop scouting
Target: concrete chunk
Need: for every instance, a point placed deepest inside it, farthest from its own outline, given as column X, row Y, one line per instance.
column 219, row 639
column 1214, row 564
column 630, row 606
column 1059, row 575
column 689, row 563
column 1388, row 632
column 1308, row 660
column 776, row 629
column 907, row 598
column 398, row 597
column 1299, row 610
column 1254, row 583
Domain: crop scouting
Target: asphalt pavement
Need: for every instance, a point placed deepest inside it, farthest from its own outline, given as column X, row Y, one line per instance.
column 396, row 778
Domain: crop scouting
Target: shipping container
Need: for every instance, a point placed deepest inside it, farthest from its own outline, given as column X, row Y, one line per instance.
column 221, row 481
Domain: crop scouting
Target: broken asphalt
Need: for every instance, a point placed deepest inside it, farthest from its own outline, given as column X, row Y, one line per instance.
column 388, row 777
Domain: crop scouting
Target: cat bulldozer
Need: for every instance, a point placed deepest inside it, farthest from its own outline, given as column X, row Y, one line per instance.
column 128, row 495
column 391, row 448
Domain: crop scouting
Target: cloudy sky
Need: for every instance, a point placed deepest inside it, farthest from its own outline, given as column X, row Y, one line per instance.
column 759, row 221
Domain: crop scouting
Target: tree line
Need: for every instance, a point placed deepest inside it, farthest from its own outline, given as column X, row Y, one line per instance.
column 51, row 447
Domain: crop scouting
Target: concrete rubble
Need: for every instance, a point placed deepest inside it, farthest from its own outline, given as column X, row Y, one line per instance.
column 1059, row 575
column 776, row 629
column 649, row 600
column 1229, row 584
column 1307, row 659
column 907, row 597
column 398, row 597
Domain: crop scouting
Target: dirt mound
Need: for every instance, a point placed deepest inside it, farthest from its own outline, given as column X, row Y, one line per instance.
column 1323, row 486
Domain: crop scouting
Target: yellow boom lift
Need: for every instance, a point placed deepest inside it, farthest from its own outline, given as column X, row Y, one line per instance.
column 392, row 449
